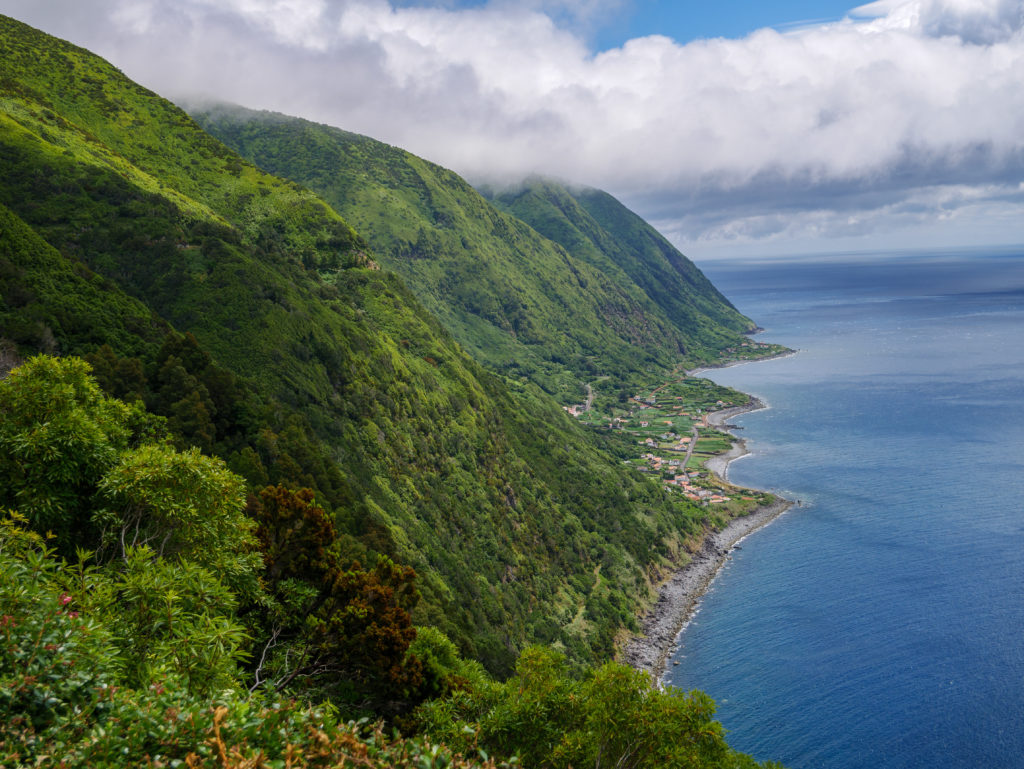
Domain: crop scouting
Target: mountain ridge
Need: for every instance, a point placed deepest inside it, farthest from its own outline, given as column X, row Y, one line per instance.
column 594, row 226
column 518, row 300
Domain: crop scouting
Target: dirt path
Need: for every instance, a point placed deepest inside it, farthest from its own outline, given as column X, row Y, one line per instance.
column 694, row 437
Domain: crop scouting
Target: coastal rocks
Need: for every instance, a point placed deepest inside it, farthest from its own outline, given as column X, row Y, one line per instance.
column 720, row 418
column 678, row 598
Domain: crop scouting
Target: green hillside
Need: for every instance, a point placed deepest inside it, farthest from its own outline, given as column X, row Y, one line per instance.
column 45, row 298
column 250, row 315
column 596, row 228
column 524, row 304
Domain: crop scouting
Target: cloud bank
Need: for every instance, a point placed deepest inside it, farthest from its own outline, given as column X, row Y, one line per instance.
column 907, row 116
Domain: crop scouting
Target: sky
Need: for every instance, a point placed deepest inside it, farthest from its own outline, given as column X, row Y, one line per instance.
column 737, row 127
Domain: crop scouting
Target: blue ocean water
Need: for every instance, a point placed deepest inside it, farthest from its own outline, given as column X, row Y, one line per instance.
column 881, row 623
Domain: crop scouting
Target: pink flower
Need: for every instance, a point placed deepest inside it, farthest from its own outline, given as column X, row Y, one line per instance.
column 65, row 599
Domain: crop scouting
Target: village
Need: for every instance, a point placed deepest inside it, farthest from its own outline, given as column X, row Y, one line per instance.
column 674, row 439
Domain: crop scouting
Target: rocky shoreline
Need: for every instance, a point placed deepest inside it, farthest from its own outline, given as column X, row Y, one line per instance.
column 679, row 596
column 711, row 367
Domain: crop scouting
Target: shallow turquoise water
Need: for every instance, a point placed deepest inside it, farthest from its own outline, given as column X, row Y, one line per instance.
column 881, row 624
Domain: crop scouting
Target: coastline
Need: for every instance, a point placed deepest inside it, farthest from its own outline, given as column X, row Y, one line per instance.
column 701, row 369
column 678, row 597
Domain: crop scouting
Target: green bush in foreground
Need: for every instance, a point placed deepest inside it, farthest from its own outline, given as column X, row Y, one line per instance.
column 614, row 716
column 70, row 697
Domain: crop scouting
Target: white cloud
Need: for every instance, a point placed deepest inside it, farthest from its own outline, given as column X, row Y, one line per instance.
column 852, row 126
column 981, row 22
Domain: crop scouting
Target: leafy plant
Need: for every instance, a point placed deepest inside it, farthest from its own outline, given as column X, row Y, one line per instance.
column 58, row 434
column 341, row 631
column 179, row 505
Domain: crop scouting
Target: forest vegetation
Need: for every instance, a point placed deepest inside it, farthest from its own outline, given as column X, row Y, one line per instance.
column 254, row 488
column 613, row 298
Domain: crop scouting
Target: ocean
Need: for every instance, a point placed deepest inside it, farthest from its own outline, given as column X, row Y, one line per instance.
column 880, row 623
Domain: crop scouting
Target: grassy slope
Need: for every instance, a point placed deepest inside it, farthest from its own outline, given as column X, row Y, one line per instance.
column 516, row 300
column 122, row 217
